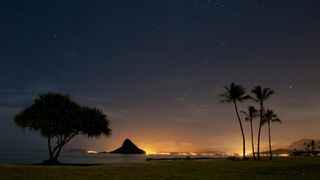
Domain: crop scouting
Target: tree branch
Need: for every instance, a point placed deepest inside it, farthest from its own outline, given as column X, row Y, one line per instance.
column 61, row 143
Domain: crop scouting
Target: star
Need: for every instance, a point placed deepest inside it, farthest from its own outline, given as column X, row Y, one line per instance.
column 291, row 86
column 224, row 44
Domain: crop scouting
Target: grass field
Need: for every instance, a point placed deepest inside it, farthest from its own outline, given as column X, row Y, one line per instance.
column 279, row 168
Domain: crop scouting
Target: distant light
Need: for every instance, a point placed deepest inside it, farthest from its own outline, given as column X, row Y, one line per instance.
column 283, row 155
column 92, row 152
column 157, row 153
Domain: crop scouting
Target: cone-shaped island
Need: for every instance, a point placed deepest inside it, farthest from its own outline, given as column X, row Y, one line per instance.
column 128, row 147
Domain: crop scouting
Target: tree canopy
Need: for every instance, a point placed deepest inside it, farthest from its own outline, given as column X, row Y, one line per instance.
column 59, row 118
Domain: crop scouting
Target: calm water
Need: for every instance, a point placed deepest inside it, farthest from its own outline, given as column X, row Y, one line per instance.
column 29, row 157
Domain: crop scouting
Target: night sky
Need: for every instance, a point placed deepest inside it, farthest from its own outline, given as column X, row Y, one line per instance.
column 156, row 67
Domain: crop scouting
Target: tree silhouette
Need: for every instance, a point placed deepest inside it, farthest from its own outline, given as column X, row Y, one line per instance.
column 249, row 116
column 232, row 94
column 270, row 117
column 259, row 96
column 310, row 147
column 59, row 119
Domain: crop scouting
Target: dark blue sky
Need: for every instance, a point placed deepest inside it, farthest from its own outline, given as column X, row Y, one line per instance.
column 157, row 66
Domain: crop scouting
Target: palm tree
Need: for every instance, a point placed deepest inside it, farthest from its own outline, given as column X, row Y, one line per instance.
column 232, row 94
column 252, row 114
column 270, row 117
column 260, row 95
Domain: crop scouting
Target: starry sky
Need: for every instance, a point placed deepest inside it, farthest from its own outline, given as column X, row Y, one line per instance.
column 156, row 67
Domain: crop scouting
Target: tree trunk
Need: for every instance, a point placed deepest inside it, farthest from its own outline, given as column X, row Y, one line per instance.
column 243, row 137
column 52, row 159
column 58, row 153
column 270, row 149
column 259, row 133
column 254, row 156
column 50, row 149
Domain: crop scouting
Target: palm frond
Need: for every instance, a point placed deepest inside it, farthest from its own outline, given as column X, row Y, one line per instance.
column 257, row 92
column 251, row 114
column 227, row 89
column 246, row 97
column 233, row 93
column 276, row 120
column 244, row 113
column 264, row 121
column 267, row 92
column 224, row 95
column 272, row 117
column 225, row 101
column 247, row 117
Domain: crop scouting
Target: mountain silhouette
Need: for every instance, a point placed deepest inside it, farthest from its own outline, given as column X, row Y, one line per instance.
column 128, row 147
column 299, row 145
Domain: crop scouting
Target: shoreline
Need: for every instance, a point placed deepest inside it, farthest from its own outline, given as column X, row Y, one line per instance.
column 184, row 158
column 162, row 159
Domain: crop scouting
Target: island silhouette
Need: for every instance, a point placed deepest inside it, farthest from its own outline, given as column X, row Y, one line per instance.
column 128, row 147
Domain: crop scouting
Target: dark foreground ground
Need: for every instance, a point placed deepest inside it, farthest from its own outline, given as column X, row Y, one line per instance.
column 279, row 168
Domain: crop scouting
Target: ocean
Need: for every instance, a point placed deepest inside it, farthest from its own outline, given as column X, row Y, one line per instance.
column 32, row 157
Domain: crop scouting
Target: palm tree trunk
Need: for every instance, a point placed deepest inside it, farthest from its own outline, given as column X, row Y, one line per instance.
column 259, row 141
column 270, row 149
column 254, row 156
column 243, row 137
column 259, row 133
